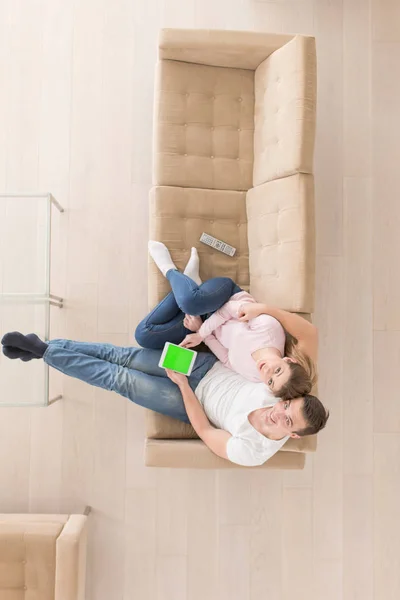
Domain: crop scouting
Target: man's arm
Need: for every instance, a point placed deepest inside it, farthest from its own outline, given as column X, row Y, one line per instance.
column 215, row 439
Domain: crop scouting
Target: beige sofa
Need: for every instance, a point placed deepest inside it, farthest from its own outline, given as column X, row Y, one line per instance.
column 234, row 128
column 42, row 557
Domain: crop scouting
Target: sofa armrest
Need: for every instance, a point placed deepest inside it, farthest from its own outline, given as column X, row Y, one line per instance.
column 219, row 48
column 71, row 560
column 194, row 454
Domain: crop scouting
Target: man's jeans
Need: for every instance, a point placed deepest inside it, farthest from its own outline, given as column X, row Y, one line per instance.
column 165, row 322
column 130, row 372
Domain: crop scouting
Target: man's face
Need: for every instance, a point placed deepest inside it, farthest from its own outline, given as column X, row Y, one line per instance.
column 283, row 419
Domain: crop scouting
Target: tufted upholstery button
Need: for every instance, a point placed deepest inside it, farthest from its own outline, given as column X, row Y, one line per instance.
column 238, row 224
column 239, row 130
column 185, row 155
column 185, row 124
column 212, row 128
column 211, row 221
column 239, row 99
column 187, row 95
column 211, row 157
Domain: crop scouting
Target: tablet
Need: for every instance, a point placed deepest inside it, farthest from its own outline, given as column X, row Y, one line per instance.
column 177, row 359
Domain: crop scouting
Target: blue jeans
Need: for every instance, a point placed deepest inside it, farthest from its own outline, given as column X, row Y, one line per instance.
column 131, row 372
column 165, row 322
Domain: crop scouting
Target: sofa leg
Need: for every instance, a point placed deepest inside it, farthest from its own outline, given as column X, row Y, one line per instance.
column 87, row 511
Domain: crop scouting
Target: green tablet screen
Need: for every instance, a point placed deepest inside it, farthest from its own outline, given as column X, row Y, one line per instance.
column 178, row 359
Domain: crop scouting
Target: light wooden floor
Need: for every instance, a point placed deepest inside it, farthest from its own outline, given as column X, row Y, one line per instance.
column 76, row 119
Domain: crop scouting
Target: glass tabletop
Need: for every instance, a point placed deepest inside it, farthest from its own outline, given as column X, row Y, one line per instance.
column 25, row 298
column 24, row 244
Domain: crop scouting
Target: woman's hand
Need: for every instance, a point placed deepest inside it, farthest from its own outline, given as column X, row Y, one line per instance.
column 191, row 340
column 192, row 323
column 178, row 378
column 250, row 310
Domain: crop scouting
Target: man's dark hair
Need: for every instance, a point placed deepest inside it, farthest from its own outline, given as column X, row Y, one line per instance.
column 315, row 415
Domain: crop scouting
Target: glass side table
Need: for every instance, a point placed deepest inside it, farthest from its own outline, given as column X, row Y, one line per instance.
column 25, row 291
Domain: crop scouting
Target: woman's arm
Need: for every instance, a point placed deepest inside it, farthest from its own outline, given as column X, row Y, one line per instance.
column 305, row 332
column 228, row 311
column 215, row 439
column 218, row 349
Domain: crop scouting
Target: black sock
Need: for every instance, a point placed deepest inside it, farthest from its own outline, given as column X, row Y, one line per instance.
column 30, row 343
column 14, row 353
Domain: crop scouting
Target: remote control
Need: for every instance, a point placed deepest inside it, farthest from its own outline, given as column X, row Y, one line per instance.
column 217, row 244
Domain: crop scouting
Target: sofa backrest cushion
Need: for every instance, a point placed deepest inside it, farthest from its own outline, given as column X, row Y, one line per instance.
column 285, row 105
column 281, row 234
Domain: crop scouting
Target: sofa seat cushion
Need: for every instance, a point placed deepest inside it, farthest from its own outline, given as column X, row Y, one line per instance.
column 285, row 104
column 204, row 125
column 178, row 217
column 281, row 234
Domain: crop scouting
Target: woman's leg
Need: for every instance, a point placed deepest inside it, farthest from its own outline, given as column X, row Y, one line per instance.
column 163, row 324
column 195, row 299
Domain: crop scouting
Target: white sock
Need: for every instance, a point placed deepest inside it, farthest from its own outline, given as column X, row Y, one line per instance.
column 161, row 256
column 192, row 268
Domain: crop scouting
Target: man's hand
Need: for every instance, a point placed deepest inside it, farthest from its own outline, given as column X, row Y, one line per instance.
column 192, row 323
column 191, row 340
column 178, row 378
column 250, row 310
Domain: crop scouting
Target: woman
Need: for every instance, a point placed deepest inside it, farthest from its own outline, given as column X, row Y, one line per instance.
column 237, row 419
column 262, row 344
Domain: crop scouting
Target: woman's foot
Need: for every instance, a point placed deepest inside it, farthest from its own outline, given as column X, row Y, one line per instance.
column 30, row 343
column 161, row 256
column 193, row 266
column 14, row 353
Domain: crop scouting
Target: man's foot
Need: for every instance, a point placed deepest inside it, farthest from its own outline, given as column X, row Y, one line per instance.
column 30, row 343
column 193, row 266
column 161, row 256
column 14, row 353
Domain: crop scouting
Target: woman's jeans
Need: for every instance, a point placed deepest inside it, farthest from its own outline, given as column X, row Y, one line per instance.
column 130, row 372
column 165, row 322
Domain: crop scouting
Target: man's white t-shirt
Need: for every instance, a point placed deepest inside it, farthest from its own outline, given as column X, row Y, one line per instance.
column 228, row 399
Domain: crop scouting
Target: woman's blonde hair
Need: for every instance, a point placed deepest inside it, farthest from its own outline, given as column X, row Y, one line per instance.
column 303, row 375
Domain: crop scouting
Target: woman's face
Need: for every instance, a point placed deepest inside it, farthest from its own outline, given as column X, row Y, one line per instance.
column 275, row 372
